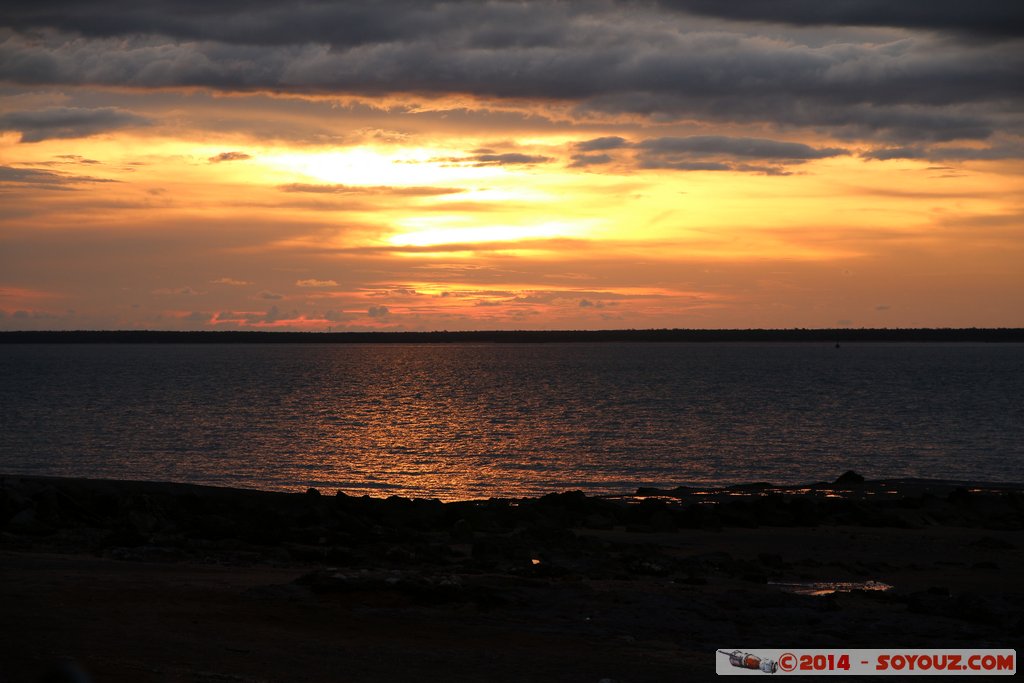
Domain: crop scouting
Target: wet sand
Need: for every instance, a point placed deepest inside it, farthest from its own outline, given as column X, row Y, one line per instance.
column 137, row 581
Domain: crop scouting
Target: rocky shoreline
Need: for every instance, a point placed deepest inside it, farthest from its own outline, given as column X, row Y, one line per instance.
column 152, row 581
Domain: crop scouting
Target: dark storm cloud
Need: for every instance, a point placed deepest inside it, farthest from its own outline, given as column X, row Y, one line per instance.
column 68, row 122
column 607, row 58
column 269, row 22
column 999, row 18
column 495, row 24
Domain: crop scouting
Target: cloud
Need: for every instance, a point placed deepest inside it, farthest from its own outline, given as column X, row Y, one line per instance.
column 77, row 158
column 992, row 18
column 229, row 156
column 601, row 144
column 243, row 318
column 331, row 22
column 337, row 316
column 21, row 319
column 197, row 318
column 604, row 59
column 583, row 160
column 506, row 159
column 46, row 180
column 410, row 191
column 271, row 316
column 272, row 296
column 997, row 152
column 722, row 153
column 316, row 283
column 687, row 165
column 888, row 153
column 229, row 281
column 553, row 244
column 69, row 122
column 378, row 311
column 993, row 153
column 739, row 147
column 179, row 291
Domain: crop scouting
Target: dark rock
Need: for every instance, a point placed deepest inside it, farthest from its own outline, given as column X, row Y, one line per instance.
column 990, row 543
column 65, row 672
column 598, row 521
column 147, row 553
column 651, row 491
column 925, row 602
column 462, row 531
column 960, row 496
column 739, row 513
column 692, row 580
column 663, row 520
column 648, row 566
column 419, row 586
column 27, row 522
column 11, row 503
column 849, row 478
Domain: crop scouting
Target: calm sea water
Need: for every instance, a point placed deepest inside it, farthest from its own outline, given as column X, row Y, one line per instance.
column 464, row 421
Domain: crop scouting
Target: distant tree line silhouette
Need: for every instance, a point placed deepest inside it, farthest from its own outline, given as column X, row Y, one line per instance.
column 517, row 336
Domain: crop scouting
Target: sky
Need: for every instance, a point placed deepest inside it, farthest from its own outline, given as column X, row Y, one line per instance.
column 600, row 164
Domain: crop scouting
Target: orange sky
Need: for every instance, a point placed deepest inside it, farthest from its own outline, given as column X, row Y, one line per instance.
column 130, row 200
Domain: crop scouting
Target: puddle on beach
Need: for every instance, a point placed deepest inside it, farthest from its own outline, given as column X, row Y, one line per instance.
column 829, row 587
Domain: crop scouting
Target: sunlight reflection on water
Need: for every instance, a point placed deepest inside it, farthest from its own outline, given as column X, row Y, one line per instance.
column 467, row 421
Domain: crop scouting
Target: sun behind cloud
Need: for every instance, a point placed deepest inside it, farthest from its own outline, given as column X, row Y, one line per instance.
column 511, row 165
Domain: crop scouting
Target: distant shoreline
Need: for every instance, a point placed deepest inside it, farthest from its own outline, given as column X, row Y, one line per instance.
column 836, row 336
column 849, row 486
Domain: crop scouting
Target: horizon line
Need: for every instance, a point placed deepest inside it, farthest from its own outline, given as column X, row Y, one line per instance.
column 832, row 335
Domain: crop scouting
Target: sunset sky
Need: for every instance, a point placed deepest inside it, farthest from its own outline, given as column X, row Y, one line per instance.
column 398, row 165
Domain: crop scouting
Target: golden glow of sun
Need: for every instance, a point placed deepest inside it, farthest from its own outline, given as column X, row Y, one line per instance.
column 378, row 166
column 420, row 232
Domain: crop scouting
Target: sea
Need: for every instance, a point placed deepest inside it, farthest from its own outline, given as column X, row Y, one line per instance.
column 466, row 421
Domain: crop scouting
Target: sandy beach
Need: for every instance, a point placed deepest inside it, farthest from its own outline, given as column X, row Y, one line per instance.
column 139, row 581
